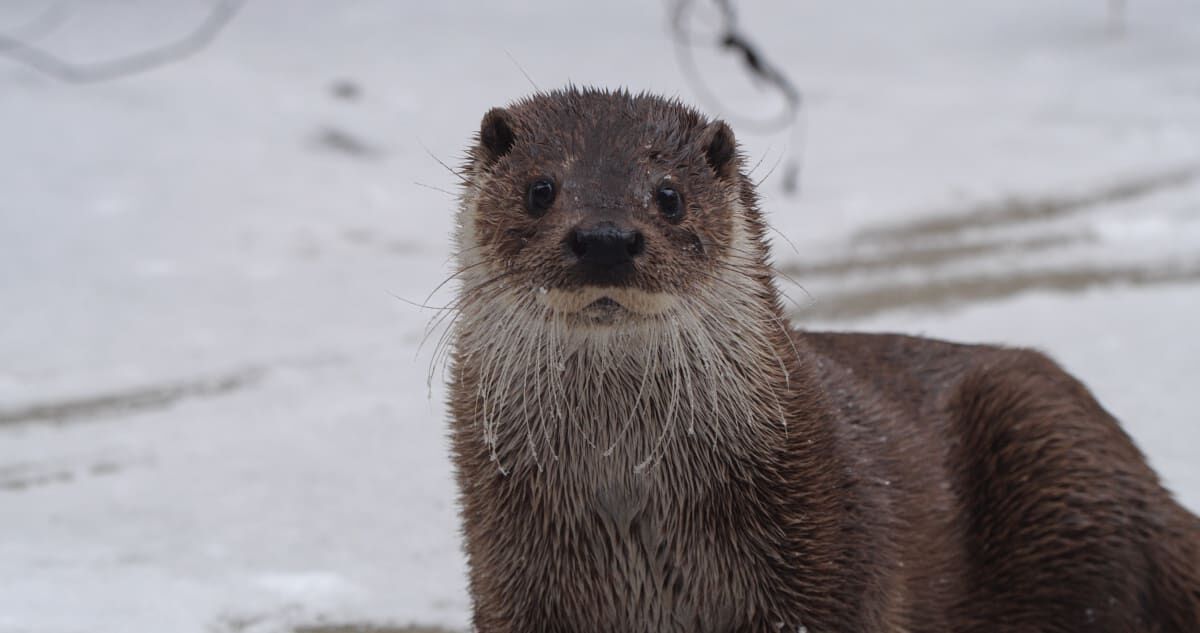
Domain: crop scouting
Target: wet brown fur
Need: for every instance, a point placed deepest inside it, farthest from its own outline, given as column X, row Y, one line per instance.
column 709, row 469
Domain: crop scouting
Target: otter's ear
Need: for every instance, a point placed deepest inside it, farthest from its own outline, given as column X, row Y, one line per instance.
column 496, row 134
column 720, row 149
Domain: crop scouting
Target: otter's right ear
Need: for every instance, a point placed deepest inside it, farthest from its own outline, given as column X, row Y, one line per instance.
column 496, row 134
column 720, row 150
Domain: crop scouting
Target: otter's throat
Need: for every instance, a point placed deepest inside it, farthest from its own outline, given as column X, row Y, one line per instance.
column 550, row 392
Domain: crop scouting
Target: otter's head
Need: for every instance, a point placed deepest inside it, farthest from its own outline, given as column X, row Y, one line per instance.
column 614, row 277
column 605, row 208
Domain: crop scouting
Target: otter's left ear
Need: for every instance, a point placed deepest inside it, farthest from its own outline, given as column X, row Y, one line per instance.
column 720, row 149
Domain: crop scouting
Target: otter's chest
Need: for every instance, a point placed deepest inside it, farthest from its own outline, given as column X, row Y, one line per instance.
column 632, row 554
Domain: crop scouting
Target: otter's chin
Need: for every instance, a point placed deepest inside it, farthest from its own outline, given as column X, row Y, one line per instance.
column 604, row 311
column 604, row 306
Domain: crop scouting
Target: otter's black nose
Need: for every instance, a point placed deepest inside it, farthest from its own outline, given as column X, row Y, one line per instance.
column 605, row 245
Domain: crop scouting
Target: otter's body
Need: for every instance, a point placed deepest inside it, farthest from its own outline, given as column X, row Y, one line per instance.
column 644, row 445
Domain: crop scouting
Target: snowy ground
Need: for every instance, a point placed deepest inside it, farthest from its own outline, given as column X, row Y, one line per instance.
column 213, row 412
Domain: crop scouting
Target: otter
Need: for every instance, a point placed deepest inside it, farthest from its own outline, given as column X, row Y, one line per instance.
column 643, row 443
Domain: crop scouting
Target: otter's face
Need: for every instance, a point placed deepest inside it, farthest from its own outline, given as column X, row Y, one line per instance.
column 605, row 207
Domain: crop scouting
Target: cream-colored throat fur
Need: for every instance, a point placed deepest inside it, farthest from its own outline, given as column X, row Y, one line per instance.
column 633, row 393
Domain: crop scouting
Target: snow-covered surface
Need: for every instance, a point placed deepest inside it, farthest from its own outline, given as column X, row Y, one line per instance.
column 213, row 411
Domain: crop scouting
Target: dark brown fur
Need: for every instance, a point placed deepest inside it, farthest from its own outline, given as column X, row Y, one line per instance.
column 918, row 486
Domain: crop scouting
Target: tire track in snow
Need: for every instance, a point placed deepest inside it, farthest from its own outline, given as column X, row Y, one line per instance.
column 951, row 253
column 957, row 291
column 147, row 398
column 1021, row 210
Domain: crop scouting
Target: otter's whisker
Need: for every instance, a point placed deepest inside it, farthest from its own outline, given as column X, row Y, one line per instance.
column 455, row 275
column 421, row 184
column 469, row 184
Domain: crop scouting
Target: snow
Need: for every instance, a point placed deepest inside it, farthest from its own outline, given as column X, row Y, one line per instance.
column 214, row 412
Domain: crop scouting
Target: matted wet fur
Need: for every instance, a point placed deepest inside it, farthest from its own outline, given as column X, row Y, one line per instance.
column 658, row 451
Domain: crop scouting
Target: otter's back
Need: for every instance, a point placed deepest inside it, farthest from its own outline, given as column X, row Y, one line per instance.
column 1051, row 502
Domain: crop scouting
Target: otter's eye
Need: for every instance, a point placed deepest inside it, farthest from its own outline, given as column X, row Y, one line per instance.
column 670, row 202
column 540, row 196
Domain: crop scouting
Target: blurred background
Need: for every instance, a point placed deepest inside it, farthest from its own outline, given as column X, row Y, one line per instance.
column 216, row 414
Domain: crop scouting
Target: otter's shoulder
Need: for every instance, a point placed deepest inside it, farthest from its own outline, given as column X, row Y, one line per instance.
column 918, row 368
column 977, row 389
column 895, row 360
column 865, row 348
